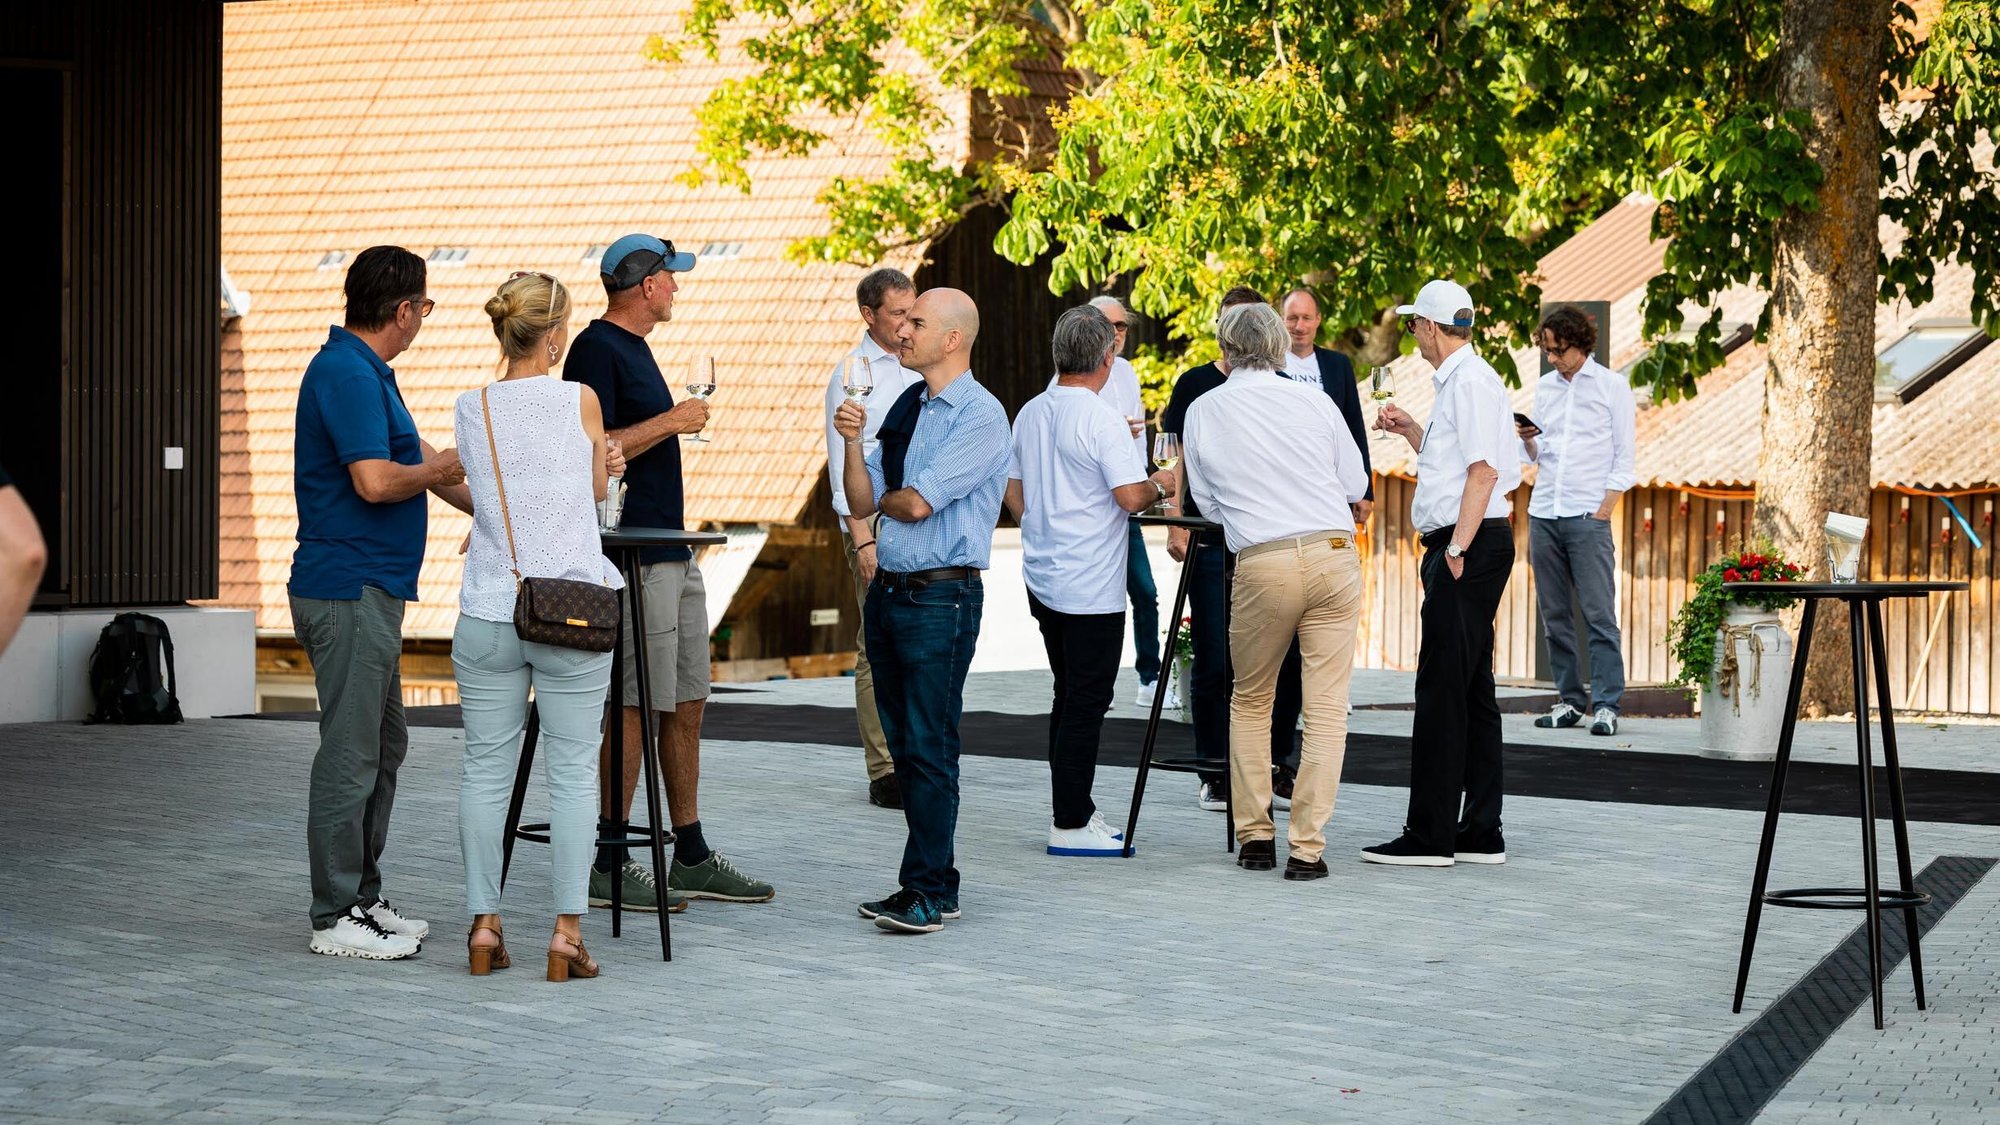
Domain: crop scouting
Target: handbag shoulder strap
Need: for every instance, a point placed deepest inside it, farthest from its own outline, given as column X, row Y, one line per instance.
column 486, row 409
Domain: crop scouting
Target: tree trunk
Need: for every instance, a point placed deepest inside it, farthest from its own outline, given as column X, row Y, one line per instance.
column 1819, row 385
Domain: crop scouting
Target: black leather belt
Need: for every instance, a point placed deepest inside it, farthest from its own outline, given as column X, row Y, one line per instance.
column 918, row 579
column 1442, row 535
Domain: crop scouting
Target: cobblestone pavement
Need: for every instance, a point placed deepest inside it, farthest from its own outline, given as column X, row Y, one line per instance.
column 153, row 931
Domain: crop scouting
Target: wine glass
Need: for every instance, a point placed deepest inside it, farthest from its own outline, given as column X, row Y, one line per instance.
column 1166, row 455
column 701, row 384
column 857, row 378
column 1381, row 388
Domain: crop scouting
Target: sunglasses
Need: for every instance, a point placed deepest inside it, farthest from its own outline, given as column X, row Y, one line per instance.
column 422, row 305
column 519, row 274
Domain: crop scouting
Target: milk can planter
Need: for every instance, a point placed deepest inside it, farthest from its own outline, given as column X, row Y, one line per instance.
column 1732, row 652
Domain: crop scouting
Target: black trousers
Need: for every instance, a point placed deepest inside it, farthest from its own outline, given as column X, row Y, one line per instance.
column 1084, row 651
column 1215, row 678
column 1455, row 739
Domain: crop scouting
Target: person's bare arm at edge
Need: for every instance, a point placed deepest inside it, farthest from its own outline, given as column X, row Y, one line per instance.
column 1177, row 537
column 1014, row 499
column 458, row 495
column 23, row 555
column 1392, row 419
column 687, row 417
column 1480, row 478
column 382, row 481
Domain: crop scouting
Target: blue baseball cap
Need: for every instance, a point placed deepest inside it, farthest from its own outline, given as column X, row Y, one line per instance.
column 636, row 257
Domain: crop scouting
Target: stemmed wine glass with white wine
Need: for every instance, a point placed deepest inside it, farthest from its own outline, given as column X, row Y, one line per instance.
column 701, row 384
column 857, row 378
column 1166, row 455
column 1381, row 388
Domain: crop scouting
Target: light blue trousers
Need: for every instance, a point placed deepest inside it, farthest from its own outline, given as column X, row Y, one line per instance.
column 495, row 670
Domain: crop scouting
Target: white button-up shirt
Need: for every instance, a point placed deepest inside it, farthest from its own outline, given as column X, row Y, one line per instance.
column 1255, row 451
column 891, row 380
column 1472, row 421
column 1585, row 447
column 1071, row 450
column 1121, row 392
column 1303, row 368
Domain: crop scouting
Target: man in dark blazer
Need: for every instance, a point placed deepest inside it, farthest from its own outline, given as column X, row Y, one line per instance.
column 1333, row 372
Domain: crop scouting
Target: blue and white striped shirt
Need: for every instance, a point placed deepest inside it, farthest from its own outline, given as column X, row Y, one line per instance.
column 957, row 461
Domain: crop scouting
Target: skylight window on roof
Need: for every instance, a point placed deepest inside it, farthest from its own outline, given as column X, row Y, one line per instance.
column 1929, row 351
column 1733, row 335
column 719, row 251
column 332, row 260
column 450, row 255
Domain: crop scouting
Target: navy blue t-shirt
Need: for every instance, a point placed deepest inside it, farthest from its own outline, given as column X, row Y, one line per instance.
column 617, row 364
column 351, row 410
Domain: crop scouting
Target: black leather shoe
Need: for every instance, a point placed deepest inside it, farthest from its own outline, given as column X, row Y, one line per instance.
column 1257, row 855
column 883, row 792
column 1296, row 868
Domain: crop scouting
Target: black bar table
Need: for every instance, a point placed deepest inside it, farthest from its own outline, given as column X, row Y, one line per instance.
column 623, row 546
column 1864, row 634
column 1195, row 525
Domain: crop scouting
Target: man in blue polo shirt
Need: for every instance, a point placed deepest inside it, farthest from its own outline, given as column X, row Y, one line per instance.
column 612, row 358
column 360, row 472
column 937, row 475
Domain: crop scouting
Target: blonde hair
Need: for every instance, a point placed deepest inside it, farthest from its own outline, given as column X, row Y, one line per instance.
column 524, row 309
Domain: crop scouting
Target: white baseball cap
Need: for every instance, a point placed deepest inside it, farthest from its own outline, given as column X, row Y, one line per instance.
column 1440, row 302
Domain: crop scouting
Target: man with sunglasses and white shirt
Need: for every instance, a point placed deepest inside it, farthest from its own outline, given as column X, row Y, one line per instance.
column 1582, row 440
column 1468, row 462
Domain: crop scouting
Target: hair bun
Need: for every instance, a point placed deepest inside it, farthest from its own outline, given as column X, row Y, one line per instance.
column 500, row 306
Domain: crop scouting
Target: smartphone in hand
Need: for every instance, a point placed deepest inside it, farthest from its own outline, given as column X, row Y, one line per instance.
column 1526, row 423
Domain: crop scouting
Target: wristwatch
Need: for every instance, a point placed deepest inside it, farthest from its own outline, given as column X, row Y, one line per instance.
column 1454, row 551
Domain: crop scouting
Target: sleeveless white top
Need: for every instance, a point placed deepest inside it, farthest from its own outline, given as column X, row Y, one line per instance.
column 546, row 459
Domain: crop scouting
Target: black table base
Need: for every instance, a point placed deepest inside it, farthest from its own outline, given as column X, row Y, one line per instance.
column 1864, row 627
column 1148, row 763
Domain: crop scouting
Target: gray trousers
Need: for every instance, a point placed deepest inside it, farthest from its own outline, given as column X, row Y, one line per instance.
column 356, row 649
column 1572, row 554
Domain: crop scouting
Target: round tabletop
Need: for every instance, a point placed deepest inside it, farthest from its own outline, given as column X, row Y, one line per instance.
column 1847, row 589
column 1192, row 523
column 660, row 537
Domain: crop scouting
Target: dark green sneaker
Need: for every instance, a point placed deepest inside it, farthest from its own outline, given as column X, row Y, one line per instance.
column 910, row 913
column 948, row 908
column 716, row 878
column 639, row 893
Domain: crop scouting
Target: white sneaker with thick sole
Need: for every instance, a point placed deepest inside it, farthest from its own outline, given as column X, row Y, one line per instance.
column 357, row 935
column 392, row 922
column 1144, row 696
column 1090, row 840
column 1210, row 798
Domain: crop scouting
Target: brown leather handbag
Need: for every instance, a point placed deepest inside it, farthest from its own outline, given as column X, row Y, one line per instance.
column 554, row 611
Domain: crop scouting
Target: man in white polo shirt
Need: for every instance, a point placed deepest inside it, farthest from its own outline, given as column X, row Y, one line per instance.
column 1468, row 463
column 1582, row 439
column 885, row 297
column 1257, row 457
column 1073, row 479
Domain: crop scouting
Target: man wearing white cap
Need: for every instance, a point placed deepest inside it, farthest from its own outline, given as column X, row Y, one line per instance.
column 1467, row 464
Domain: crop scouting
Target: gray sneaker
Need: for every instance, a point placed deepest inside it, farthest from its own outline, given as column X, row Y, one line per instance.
column 639, row 893
column 717, row 878
column 1605, row 721
column 1559, row 716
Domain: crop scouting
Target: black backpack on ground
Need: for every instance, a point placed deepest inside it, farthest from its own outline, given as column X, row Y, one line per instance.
column 125, row 675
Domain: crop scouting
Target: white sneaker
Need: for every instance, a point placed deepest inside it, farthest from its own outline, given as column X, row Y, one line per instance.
column 1097, row 822
column 1144, row 696
column 390, row 921
column 1090, row 840
column 1210, row 797
column 357, row 935
column 1605, row 721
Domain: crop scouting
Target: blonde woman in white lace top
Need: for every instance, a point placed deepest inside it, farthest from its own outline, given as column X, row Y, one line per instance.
column 554, row 463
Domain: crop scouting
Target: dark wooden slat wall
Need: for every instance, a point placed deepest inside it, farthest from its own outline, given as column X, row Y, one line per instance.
column 143, row 268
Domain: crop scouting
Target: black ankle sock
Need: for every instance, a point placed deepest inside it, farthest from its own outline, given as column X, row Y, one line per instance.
column 689, row 847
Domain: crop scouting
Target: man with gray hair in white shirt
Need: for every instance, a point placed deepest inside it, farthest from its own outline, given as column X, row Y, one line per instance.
column 1256, row 455
column 1581, row 437
column 1073, row 479
column 1467, row 464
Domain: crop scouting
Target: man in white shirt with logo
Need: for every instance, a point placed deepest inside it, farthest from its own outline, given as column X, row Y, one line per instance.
column 1073, row 478
column 1257, row 459
column 1582, row 441
column 1468, row 463
column 885, row 297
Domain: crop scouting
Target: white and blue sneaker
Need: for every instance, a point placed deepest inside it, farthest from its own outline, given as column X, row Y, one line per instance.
column 1093, row 839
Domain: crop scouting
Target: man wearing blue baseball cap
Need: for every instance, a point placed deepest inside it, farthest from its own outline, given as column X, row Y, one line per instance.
column 611, row 357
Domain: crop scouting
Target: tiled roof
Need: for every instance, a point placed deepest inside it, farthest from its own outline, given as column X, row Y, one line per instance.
column 524, row 132
column 1713, row 438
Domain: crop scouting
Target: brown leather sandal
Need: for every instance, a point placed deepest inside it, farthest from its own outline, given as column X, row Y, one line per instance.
column 563, row 966
column 485, row 959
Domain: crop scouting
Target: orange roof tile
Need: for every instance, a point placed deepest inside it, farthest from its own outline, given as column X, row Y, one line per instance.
column 526, row 132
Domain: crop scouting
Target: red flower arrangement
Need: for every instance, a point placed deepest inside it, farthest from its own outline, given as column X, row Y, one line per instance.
column 1695, row 625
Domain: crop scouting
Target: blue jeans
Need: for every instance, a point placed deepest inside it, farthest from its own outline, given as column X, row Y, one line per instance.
column 920, row 642
column 495, row 668
column 1574, row 554
column 1145, row 608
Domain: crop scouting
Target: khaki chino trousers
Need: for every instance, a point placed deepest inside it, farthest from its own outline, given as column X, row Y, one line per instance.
column 874, row 743
column 1309, row 587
